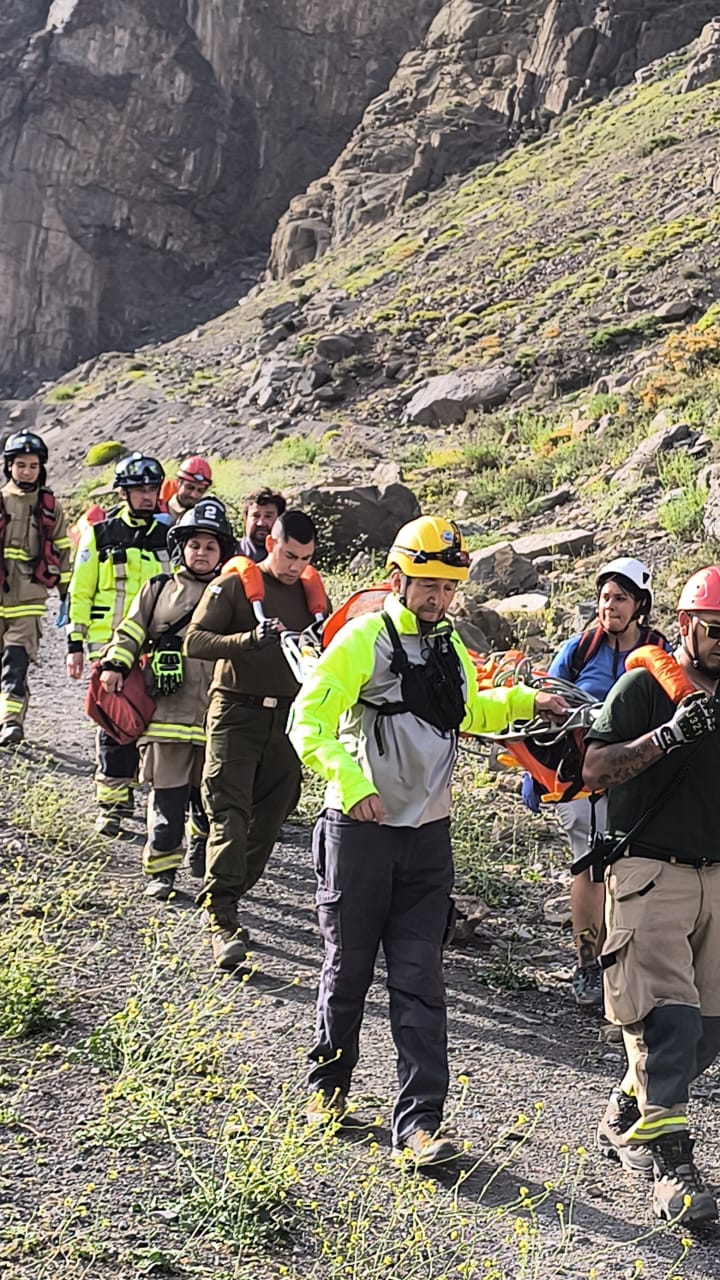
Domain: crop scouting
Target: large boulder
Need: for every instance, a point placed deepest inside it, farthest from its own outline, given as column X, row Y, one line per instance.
column 555, row 542
column 705, row 66
column 354, row 518
column 481, row 628
column 499, row 570
column 447, row 398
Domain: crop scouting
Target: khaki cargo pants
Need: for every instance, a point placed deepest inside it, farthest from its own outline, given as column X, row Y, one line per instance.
column 19, row 643
column 661, row 963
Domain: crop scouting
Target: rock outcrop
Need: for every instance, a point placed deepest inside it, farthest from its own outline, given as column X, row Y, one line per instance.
column 484, row 74
column 145, row 142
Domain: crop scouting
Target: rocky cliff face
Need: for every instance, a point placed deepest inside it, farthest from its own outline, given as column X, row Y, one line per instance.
column 144, row 142
column 483, row 75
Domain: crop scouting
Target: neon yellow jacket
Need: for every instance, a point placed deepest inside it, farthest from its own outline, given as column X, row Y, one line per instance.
column 115, row 557
column 333, row 732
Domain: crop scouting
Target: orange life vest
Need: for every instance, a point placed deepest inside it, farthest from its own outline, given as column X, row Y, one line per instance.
column 254, row 586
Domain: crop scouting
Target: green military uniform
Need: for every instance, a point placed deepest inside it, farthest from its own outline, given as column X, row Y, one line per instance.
column 251, row 779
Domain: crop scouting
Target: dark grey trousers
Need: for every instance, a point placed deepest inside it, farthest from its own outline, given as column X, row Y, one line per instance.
column 389, row 885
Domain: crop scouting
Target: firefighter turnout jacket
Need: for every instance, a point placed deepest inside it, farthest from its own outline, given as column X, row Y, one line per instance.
column 162, row 602
column 114, row 558
column 34, row 551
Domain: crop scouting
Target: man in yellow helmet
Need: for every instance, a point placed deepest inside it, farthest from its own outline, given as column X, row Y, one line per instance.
column 378, row 719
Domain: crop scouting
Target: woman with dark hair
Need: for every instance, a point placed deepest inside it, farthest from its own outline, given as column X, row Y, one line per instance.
column 594, row 660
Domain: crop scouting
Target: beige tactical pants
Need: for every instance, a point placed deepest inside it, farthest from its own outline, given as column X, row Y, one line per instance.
column 174, row 771
column 661, row 963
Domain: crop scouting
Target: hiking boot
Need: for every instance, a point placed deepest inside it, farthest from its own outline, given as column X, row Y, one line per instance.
column 107, row 823
column 621, row 1114
column 587, row 986
column 160, row 886
column 423, row 1148
column 326, row 1106
column 679, row 1191
column 230, row 941
column 196, row 857
column 11, row 735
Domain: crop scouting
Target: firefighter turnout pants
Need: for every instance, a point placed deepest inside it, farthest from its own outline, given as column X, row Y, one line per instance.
column 116, row 766
column 389, row 886
column 19, row 643
column 661, row 963
column 251, row 782
column 174, row 772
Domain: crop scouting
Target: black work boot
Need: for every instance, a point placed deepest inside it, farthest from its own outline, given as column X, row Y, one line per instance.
column 621, row 1114
column 11, row 735
column 196, row 856
column 679, row 1190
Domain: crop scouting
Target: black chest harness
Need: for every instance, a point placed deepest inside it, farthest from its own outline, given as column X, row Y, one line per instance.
column 431, row 690
column 114, row 538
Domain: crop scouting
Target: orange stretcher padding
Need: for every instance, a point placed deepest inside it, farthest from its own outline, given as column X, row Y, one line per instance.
column 254, row 587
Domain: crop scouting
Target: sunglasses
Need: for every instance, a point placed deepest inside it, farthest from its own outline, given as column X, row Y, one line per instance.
column 711, row 629
column 453, row 556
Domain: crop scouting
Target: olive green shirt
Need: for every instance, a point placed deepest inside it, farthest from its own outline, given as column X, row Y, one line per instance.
column 686, row 822
column 222, row 628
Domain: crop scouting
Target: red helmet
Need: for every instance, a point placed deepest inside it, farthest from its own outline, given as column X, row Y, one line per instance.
column 196, row 469
column 702, row 591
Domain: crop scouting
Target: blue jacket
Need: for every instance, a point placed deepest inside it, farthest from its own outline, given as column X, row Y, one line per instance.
column 600, row 673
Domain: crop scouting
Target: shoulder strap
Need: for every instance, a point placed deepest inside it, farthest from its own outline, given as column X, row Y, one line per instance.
column 587, row 646
column 161, row 579
column 400, row 660
column 590, row 860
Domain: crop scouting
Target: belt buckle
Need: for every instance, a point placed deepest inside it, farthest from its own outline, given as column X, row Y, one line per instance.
column 269, row 702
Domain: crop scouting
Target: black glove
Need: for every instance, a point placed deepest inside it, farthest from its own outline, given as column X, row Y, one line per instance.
column 695, row 716
column 266, row 632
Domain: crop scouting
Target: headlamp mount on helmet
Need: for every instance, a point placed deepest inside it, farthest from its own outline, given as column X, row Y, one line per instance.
column 137, row 471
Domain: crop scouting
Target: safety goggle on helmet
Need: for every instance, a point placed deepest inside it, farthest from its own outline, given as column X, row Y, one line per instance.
column 430, row 547
column 136, row 471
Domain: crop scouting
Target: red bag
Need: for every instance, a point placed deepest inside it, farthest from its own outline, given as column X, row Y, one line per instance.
column 125, row 715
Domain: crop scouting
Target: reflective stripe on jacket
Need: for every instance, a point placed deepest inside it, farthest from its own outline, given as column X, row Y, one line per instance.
column 179, row 717
column 115, row 557
column 24, row 598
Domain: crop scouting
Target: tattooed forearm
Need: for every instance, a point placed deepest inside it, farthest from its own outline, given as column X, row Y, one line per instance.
column 607, row 764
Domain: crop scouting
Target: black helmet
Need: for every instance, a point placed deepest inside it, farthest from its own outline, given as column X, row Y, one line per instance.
column 137, row 470
column 207, row 516
column 24, row 442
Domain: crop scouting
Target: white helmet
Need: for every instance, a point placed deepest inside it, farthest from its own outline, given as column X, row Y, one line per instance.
column 634, row 571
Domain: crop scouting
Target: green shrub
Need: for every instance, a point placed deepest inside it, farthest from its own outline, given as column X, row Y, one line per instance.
column 660, row 142
column 99, row 455
column 66, row 391
column 683, row 516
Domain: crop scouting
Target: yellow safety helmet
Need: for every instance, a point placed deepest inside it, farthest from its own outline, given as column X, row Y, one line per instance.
column 430, row 547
